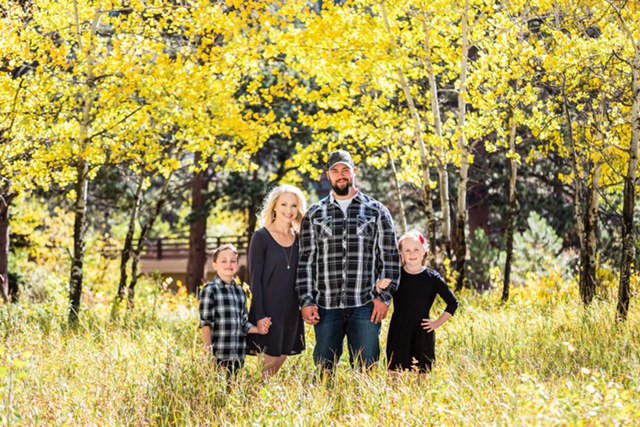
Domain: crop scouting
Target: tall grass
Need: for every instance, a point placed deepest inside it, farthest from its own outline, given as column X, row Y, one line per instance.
column 530, row 361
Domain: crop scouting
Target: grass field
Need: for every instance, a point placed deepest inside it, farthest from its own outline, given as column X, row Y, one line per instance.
column 533, row 361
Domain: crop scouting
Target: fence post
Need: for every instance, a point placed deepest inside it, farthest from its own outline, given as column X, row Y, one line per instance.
column 159, row 248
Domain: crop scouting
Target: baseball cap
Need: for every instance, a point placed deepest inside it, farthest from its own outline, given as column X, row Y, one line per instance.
column 340, row 156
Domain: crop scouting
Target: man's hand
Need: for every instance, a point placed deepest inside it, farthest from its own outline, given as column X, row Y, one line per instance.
column 379, row 311
column 310, row 315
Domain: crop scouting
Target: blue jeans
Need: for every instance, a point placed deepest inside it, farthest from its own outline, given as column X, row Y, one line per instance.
column 355, row 323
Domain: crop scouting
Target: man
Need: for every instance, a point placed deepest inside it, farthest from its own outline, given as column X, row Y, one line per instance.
column 347, row 246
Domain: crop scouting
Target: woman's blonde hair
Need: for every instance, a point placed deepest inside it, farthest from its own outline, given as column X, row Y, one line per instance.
column 267, row 216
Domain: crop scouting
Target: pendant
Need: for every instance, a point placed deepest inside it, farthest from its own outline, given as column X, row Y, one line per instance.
column 288, row 267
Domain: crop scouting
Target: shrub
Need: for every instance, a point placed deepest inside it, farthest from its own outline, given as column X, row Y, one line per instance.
column 538, row 254
column 483, row 258
column 538, row 260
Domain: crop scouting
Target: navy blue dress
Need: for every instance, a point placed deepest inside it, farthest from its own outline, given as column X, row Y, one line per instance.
column 272, row 270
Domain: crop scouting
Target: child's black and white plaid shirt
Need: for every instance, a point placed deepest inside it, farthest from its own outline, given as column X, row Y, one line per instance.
column 223, row 307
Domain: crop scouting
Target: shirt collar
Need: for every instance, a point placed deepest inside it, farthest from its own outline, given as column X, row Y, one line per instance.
column 357, row 197
column 221, row 282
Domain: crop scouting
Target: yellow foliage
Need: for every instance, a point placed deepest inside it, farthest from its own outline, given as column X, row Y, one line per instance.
column 152, row 87
column 608, row 280
column 545, row 289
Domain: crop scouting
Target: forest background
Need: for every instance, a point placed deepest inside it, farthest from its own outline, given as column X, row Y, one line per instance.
column 506, row 130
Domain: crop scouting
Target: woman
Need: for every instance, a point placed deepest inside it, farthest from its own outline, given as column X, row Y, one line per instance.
column 273, row 258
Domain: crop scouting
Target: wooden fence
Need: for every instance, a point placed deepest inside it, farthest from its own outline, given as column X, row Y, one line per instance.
column 171, row 248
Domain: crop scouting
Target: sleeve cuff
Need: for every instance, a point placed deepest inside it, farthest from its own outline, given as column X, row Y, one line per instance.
column 307, row 302
column 387, row 300
column 248, row 326
column 383, row 296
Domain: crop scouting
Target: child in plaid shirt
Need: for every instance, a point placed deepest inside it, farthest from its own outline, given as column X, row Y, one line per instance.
column 223, row 313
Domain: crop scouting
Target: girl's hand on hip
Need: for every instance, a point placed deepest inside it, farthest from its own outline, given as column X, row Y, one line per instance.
column 429, row 325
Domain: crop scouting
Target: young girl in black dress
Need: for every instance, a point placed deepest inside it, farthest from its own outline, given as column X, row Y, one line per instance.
column 411, row 340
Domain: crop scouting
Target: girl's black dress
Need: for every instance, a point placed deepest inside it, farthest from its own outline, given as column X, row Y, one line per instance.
column 409, row 346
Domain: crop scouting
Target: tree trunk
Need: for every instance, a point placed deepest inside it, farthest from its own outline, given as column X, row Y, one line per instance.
column 144, row 231
column 589, row 255
column 252, row 220
column 8, row 290
column 82, row 168
column 253, row 208
column 131, row 291
column 577, row 200
column 197, row 230
column 582, row 222
column 431, row 220
column 396, row 183
column 4, row 248
column 443, row 178
column 419, row 138
column 461, row 244
column 513, row 211
column 443, row 173
column 79, row 229
column 624, row 290
column 426, row 175
column 127, row 249
column 586, row 217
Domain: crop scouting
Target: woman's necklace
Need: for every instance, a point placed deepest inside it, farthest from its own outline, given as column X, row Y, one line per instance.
column 287, row 255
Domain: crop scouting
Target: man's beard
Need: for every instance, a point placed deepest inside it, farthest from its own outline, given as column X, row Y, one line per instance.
column 344, row 191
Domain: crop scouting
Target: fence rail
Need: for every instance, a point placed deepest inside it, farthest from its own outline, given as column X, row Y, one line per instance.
column 163, row 248
column 178, row 247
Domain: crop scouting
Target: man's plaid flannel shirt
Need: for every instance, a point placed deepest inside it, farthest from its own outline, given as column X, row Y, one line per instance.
column 342, row 258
